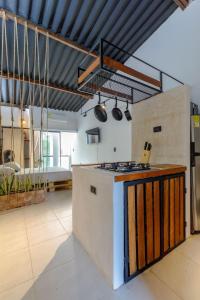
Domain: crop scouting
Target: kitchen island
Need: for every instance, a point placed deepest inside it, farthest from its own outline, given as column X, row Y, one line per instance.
column 128, row 221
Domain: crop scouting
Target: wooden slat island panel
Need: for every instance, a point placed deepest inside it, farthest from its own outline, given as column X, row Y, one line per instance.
column 159, row 218
column 156, row 206
column 140, row 226
column 172, row 214
column 149, row 222
column 132, row 231
column 166, row 215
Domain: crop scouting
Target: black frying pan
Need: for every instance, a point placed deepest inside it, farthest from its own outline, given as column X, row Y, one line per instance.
column 116, row 113
column 100, row 113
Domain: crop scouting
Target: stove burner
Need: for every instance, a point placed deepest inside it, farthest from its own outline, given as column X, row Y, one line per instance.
column 124, row 167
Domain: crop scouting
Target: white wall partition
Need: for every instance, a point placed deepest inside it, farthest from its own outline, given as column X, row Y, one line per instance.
column 114, row 134
column 7, row 116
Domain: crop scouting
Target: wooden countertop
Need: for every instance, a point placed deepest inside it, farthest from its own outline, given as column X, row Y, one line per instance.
column 155, row 171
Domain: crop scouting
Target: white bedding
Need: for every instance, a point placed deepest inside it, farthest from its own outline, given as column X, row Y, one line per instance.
column 50, row 174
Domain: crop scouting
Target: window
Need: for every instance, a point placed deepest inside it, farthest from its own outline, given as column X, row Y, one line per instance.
column 57, row 148
column 67, row 141
column 51, row 149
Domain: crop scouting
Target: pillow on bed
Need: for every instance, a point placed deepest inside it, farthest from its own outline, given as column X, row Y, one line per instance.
column 13, row 165
column 6, row 171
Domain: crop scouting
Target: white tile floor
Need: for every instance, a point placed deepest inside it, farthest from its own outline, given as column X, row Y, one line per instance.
column 41, row 260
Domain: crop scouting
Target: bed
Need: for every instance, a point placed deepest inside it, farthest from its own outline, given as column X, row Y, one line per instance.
column 50, row 174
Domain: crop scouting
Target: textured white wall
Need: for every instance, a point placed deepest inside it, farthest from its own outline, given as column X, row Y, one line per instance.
column 171, row 110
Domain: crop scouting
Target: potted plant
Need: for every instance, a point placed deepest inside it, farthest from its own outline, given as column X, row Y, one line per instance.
column 40, row 191
column 25, row 191
column 16, row 192
column 7, row 197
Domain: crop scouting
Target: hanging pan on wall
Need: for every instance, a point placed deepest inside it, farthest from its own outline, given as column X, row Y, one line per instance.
column 100, row 112
column 116, row 113
column 127, row 113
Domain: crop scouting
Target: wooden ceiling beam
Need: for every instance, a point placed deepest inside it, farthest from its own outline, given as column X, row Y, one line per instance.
column 182, row 3
column 89, row 70
column 114, row 64
column 185, row 2
column 46, row 32
column 50, row 85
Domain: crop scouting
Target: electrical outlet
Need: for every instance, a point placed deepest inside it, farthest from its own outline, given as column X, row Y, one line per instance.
column 93, row 189
column 157, row 129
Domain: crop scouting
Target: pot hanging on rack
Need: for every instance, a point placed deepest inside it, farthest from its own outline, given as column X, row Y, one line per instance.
column 100, row 112
column 116, row 112
column 127, row 113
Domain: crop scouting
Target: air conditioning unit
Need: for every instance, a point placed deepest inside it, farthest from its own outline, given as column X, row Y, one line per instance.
column 57, row 117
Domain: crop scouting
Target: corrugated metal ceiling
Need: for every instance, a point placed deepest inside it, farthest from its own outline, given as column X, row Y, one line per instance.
column 126, row 23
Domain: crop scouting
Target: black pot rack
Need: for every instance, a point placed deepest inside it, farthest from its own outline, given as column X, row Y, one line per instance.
column 105, row 72
column 84, row 113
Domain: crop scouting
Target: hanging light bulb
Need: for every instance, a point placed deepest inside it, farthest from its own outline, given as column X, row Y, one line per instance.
column 23, row 123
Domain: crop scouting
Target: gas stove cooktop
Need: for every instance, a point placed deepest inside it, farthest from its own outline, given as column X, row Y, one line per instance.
column 124, row 167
